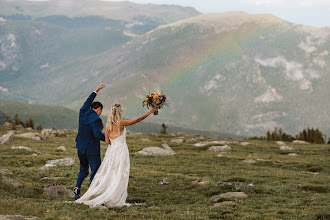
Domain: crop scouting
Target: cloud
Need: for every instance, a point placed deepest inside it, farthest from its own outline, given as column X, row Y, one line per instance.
column 291, row 3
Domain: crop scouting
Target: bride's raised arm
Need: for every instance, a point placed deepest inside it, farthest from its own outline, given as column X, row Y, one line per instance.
column 124, row 123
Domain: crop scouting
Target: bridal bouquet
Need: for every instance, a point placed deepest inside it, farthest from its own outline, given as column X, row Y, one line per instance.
column 155, row 100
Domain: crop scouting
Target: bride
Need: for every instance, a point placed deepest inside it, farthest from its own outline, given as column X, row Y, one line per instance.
column 109, row 186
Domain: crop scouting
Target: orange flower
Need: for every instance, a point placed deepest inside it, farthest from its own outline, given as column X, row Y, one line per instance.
column 155, row 96
column 146, row 99
column 157, row 101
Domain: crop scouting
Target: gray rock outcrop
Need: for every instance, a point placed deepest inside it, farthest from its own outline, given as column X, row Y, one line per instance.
column 8, row 139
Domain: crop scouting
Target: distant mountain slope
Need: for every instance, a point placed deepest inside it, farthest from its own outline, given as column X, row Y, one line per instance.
column 228, row 72
column 81, row 8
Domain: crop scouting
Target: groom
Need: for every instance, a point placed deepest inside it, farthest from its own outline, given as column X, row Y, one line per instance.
column 88, row 139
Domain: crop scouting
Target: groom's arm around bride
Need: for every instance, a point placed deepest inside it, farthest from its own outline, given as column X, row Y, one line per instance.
column 88, row 138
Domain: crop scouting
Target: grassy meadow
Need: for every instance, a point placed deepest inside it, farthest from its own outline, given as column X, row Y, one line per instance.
column 286, row 187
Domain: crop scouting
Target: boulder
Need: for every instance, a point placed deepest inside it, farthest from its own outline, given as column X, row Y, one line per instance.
column 229, row 195
column 32, row 136
column 52, row 133
column 218, row 148
column 245, row 143
column 60, row 162
column 145, row 140
column 167, row 147
column 19, row 126
column 21, row 148
column 57, row 190
column 165, row 181
column 8, row 139
column 299, row 142
column 224, row 203
column 41, row 169
column 61, row 148
column 17, row 217
column 10, row 181
column 200, row 182
column 184, row 134
column 283, row 147
column 280, row 143
column 191, row 140
column 177, row 141
column 201, row 144
column 157, row 151
column 29, row 129
column 292, row 154
column 249, row 161
column 7, row 124
column 5, row 171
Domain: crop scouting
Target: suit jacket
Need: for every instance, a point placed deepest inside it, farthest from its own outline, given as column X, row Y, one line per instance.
column 90, row 129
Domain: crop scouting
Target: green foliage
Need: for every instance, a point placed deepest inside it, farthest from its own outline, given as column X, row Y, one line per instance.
column 311, row 135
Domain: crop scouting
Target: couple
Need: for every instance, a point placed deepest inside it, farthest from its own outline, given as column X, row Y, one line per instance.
column 109, row 179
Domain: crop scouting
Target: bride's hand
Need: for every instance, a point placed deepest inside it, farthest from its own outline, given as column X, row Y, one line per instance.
column 154, row 109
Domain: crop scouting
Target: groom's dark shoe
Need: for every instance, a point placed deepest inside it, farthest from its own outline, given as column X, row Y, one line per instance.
column 76, row 192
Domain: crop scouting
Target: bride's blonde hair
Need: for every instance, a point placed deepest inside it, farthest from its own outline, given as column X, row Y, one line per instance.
column 114, row 116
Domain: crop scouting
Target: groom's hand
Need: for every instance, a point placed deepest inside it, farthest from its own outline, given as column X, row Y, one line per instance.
column 99, row 88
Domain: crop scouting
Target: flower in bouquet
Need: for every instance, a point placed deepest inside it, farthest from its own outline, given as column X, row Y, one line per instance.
column 155, row 100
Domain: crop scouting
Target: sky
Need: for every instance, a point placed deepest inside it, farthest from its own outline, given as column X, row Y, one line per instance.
column 307, row 12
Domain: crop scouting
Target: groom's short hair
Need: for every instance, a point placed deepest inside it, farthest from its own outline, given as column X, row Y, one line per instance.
column 96, row 105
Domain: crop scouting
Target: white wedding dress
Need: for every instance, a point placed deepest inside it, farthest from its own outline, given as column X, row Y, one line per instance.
column 109, row 186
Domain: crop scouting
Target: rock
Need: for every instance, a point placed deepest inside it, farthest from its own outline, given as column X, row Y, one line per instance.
column 57, row 190
column 10, row 181
column 177, row 141
column 245, row 143
column 32, row 136
column 60, row 162
column 5, row 171
column 292, row 154
column 184, row 134
column 249, row 161
column 157, row 151
column 19, row 126
column 24, row 162
column 285, row 148
column 41, row 169
column 201, row 144
column 52, row 178
column 220, row 155
column 145, row 140
column 238, row 186
column 29, row 129
column 164, row 182
column 61, row 148
column 229, row 195
column 200, row 182
column 280, row 143
column 167, row 147
column 17, row 217
column 299, row 142
column 52, row 133
column 21, row 148
column 191, row 140
column 219, row 148
column 7, row 124
column 224, row 203
column 8, row 139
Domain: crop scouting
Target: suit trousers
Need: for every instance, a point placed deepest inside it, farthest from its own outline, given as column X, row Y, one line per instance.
column 86, row 161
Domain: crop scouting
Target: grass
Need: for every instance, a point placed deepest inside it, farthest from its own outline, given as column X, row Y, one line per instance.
column 287, row 187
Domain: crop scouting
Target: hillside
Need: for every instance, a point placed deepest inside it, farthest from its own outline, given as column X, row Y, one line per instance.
column 58, row 117
column 230, row 72
column 248, row 180
column 127, row 11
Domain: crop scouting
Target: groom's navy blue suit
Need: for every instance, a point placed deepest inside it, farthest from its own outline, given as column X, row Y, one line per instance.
column 88, row 140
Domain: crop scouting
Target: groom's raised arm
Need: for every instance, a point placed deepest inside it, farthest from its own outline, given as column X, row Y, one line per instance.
column 91, row 98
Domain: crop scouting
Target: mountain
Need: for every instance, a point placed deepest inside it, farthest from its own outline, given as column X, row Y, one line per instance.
column 229, row 72
column 135, row 13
